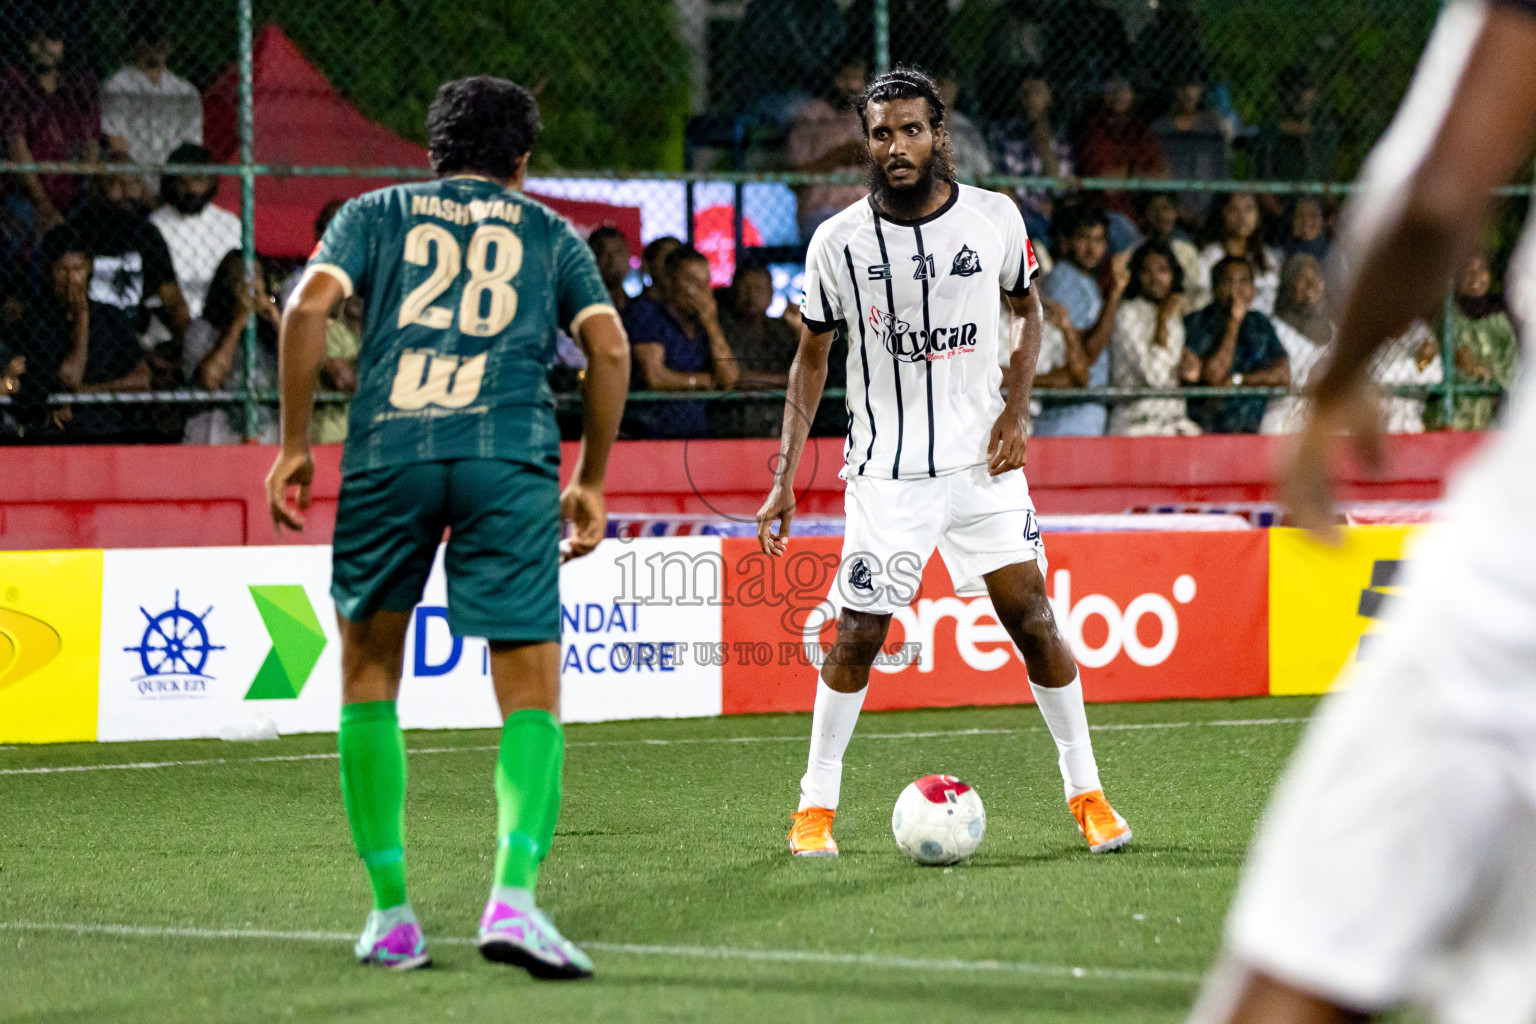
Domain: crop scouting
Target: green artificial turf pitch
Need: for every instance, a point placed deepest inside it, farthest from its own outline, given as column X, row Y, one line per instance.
column 670, row 863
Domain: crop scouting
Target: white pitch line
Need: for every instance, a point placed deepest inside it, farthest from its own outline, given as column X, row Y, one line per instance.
column 789, row 956
column 688, row 740
column 681, row 741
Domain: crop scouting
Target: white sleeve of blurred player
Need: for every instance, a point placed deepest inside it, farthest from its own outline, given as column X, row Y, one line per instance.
column 1404, row 147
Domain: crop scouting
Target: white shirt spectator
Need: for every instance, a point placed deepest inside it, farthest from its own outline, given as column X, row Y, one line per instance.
column 1053, row 356
column 197, row 242
column 1397, row 362
column 1135, row 360
column 153, row 117
column 1285, row 415
column 1196, row 294
column 1266, row 283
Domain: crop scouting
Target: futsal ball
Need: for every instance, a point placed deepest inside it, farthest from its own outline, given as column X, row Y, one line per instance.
column 938, row 820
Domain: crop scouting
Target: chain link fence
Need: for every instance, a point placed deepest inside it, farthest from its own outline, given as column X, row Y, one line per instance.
column 168, row 167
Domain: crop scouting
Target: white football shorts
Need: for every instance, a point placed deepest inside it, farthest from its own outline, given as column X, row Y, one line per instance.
column 1396, row 863
column 979, row 523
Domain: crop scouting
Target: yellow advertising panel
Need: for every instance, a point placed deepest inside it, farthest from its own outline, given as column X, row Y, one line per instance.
column 50, row 645
column 1323, row 599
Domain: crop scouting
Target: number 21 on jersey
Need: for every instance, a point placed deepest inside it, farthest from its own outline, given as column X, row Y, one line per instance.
column 488, row 303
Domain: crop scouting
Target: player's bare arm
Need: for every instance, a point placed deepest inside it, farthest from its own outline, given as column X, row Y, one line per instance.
column 604, row 388
column 807, row 380
column 1406, row 239
column 1010, row 434
column 301, row 350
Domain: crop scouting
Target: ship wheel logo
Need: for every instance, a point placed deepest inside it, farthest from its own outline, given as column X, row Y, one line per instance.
column 175, row 642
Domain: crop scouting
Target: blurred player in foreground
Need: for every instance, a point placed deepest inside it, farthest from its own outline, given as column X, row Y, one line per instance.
column 453, row 426
column 916, row 276
column 1396, row 863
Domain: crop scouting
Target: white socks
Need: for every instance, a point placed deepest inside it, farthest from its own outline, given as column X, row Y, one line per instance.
column 837, row 713
column 1062, row 708
column 831, row 728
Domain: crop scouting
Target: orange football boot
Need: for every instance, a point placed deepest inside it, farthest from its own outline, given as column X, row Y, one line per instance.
column 1099, row 823
column 811, row 834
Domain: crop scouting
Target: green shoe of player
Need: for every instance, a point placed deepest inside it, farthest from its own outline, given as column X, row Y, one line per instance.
column 393, row 939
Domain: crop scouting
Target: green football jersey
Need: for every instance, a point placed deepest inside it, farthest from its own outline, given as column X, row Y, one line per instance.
column 465, row 284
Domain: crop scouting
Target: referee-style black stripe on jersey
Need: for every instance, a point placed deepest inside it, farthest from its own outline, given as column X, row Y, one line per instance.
column 922, row 260
column 869, row 412
column 890, row 298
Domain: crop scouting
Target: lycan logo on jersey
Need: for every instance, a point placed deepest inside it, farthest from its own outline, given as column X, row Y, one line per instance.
column 915, row 346
column 425, row 378
column 967, row 262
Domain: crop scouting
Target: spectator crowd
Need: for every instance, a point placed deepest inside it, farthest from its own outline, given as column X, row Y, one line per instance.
column 1248, row 309
column 122, row 282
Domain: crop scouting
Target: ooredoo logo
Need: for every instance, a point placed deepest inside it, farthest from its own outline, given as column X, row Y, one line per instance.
column 27, row 644
column 975, row 624
column 1122, row 627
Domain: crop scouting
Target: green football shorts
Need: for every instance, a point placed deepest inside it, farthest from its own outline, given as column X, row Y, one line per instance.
column 503, row 557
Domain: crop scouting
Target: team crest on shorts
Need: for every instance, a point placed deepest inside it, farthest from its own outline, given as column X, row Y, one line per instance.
column 966, row 262
column 859, row 576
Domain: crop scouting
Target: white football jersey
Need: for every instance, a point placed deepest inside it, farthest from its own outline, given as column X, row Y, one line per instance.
column 918, row 304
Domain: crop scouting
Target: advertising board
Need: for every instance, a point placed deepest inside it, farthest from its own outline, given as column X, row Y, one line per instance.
column 1323, row 600
column 1147, row 616
column 50, row 619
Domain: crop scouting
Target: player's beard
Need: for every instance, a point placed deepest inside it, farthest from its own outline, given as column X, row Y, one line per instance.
column 906, row 202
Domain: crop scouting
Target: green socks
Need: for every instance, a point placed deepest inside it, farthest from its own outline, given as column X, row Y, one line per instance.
column 527, row 794
column 373, row 789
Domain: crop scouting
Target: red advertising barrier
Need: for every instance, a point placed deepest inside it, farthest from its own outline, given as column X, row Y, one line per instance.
column 1148, row 617
column 197, row 496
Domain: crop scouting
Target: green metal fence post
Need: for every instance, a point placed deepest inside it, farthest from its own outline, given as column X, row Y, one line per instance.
column 1448, row 359
column 248, row 208
column 688, row 211
column 882, row 36
column 738, row 228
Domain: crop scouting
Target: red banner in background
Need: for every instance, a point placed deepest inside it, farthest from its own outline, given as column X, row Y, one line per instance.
column 1149, row 616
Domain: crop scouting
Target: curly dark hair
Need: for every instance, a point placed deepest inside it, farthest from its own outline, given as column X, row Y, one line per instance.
column 901, row 83
column 1077, row 213
column 481, row 124
column 1139, row 260
column 908, row 83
